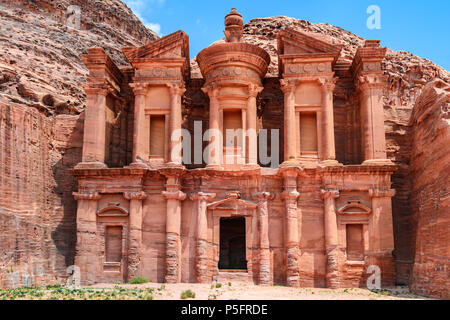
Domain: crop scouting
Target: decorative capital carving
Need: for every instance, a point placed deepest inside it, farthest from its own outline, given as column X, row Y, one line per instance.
column 87, row 196
column 287, row 86
column 141, row 195
column 139, row 88
column 371, row 81
column 327, row 84
column 176, row 88
column 202, row 196
column 212, row 90
column 330, row 194
column 174, row 195
column 290, row 195
column 379, row 193
column 254, row 90
column 263, row 196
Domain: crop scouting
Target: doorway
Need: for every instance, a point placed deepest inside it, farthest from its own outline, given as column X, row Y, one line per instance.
column 232, row 244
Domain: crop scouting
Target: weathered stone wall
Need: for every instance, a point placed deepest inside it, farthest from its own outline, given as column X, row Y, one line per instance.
column 37, row 210
column 430, row 163
column 41, row 128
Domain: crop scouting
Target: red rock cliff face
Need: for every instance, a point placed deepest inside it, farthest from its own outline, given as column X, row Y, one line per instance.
column 430, row 164
column 41, row 125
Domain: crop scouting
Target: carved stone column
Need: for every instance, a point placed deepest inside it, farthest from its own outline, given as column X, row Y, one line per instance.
column 265, row 273
column 201, row 266
column 290, row 143
column 141, row 138
column 331, row 238
column 216, row 144
column 135, row 233
column 173, row 242
column 381, row 234
column 370, row 87
column 176, row 92
column 87, row 251
column 290, row 197
column 252, row 145
column 328, row 147
column 94, row 139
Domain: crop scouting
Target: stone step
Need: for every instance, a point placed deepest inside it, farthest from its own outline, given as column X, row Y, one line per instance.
column 233, row 276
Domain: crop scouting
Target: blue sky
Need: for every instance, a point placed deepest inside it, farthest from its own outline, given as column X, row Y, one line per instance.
column 420, row 27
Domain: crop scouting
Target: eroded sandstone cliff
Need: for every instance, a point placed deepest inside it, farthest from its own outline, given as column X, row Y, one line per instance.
column 430, row 199
column 41, row 132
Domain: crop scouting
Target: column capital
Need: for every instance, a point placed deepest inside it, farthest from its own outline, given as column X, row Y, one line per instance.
column 287, row 85
column 139, row 88
column 176, row 88
column 202, row 196
column 211, row 89
column 254, row 90
column 330, row 193
column 381, row 193
column 263, row 196
column 290, row 195
column 174, row 195
column 140, row 195
column 92, row 90
column 371, row 81
column 87, row 196
column 327, row 84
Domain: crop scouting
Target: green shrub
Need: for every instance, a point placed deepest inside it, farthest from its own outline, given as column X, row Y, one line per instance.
column 229, row 284
column 218, row 285
column 139, row 280
column 188, row 294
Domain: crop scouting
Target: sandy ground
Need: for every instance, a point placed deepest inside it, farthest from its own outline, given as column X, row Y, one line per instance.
column 244, row 291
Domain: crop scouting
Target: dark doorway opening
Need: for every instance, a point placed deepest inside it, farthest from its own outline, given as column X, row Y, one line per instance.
column 232, row 244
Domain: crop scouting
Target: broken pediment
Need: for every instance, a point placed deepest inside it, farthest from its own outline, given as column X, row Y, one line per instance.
column 291, row 42
column 173, row 46
column 113, row 210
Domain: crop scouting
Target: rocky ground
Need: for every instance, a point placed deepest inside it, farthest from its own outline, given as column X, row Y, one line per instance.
column 215, row 291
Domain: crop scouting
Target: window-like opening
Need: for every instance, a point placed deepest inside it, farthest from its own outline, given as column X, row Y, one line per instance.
column 232, row 120
column 232, row 244
column 308, row 132
column 157, row 135
column 355, row 242
column 113, row 244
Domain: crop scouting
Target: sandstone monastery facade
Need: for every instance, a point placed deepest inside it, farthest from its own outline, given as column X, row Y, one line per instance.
column 322, row 218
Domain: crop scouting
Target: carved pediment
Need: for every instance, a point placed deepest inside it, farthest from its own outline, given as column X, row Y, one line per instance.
column 175, row 45
column 354, row 212
column 113, row 210
column 291, row 42
column 233, row 203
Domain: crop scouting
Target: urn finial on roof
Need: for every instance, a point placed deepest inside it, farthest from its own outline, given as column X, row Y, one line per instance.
column 234, row 26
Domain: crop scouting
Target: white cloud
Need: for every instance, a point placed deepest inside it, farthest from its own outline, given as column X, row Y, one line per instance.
column 139, row 7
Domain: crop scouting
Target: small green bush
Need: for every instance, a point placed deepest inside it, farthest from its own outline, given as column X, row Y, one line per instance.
column 218, row 285
column 139, row 280
column 188, row 294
